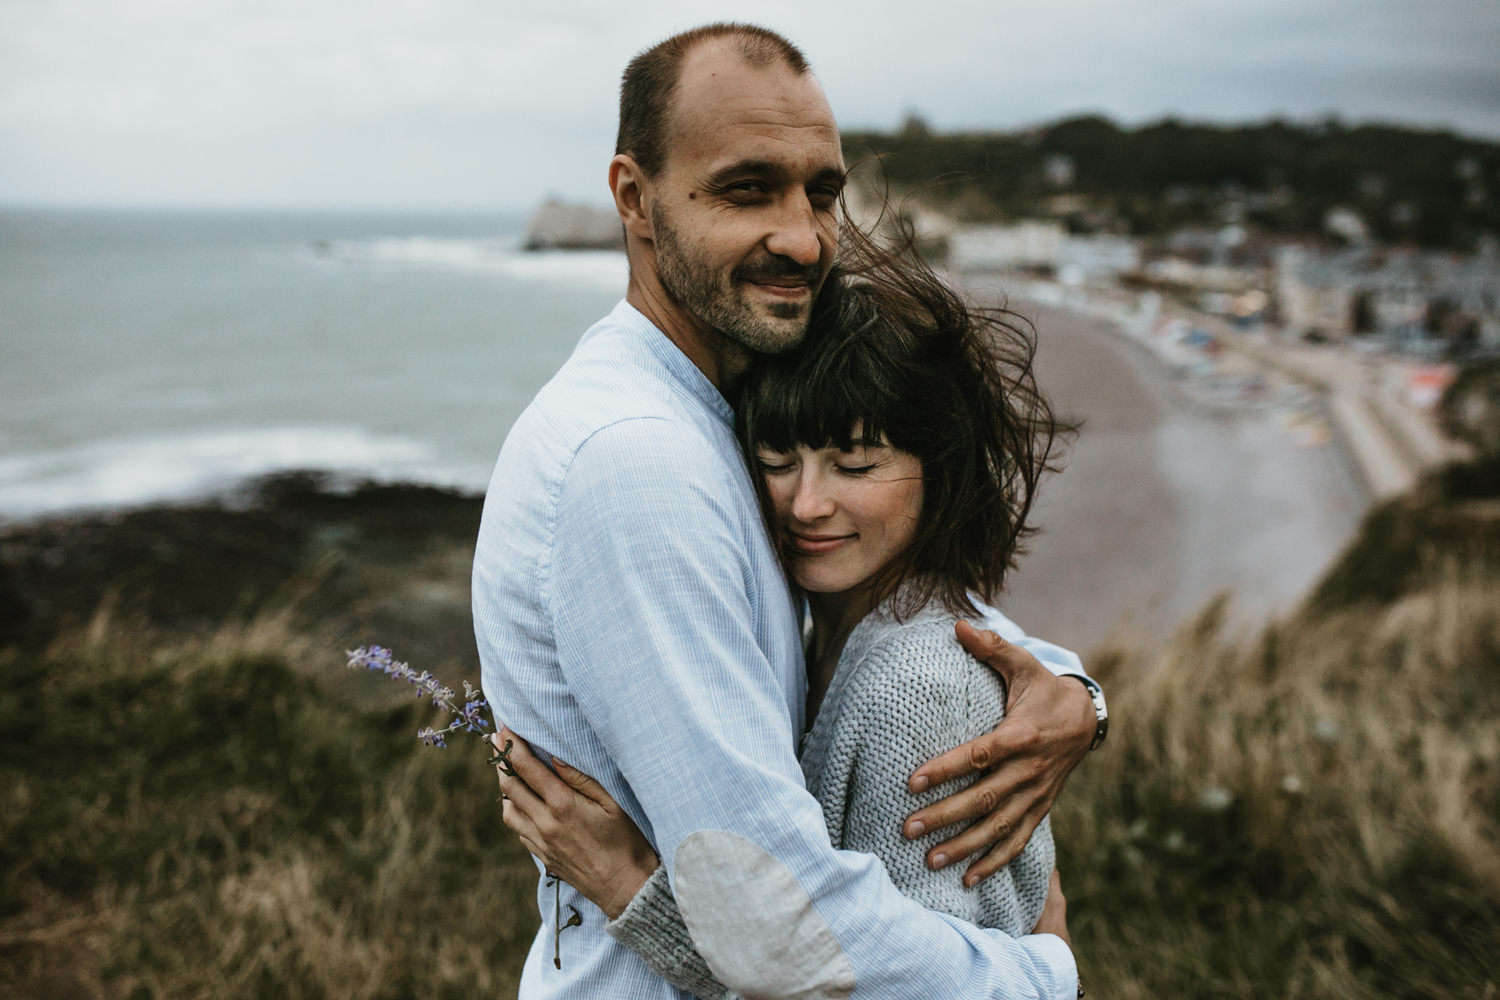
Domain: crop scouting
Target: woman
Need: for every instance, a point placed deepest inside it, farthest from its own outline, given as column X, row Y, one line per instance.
column 897, row 451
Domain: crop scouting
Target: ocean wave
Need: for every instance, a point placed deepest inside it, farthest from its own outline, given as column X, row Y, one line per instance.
column 130, row 473
column 604, row 269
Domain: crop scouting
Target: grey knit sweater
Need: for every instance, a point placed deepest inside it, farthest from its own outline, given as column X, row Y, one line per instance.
column 902, row 693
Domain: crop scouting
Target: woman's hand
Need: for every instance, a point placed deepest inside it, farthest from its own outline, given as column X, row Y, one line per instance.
column 1054, row 918
column 569, row 821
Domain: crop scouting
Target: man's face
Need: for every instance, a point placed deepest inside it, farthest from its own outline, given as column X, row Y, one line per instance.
column 743, row 210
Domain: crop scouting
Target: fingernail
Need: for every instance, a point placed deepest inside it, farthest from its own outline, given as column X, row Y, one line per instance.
column 915, row 828
column 970, row 880
column 939, row 860
column 920, row 783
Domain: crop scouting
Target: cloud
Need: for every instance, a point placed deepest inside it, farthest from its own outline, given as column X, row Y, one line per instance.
column 453, row 102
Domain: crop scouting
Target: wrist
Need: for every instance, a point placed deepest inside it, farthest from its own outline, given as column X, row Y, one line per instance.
column 629, row 885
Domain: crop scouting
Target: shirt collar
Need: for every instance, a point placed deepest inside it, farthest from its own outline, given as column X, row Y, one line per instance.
column 678, row 365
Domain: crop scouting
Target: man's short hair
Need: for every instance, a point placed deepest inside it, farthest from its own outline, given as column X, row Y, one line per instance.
column 651, row 78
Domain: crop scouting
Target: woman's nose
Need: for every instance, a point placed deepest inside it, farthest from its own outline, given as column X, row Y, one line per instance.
column 812, row 499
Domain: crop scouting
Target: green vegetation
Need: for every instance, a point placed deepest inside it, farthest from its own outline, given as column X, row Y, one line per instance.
column 1314, row 814
column 1470, row 409
column 227, row 812
column 1431, row 188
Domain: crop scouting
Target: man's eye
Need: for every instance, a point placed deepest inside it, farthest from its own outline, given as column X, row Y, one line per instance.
column 824, row 200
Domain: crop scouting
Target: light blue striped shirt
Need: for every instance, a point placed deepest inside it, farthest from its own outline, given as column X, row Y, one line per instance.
column 632, row 619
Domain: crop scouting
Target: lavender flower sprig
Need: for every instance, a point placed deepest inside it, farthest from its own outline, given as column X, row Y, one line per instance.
column 468, row 717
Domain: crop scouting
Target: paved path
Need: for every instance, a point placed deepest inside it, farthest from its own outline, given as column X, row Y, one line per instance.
column 1392, row 441
column 1164, row 503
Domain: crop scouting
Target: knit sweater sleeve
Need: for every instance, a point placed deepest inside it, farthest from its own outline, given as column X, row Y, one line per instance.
column 653, row 928
column 915, row 695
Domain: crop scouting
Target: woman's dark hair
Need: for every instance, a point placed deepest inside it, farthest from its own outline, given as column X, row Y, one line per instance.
column 894, row 352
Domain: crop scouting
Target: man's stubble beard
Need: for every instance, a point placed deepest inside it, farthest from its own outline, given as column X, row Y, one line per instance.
column 720, row 302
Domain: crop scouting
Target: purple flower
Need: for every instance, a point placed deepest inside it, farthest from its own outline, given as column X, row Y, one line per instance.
column 470, row 718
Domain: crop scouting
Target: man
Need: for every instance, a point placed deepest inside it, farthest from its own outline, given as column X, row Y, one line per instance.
column 631, row 615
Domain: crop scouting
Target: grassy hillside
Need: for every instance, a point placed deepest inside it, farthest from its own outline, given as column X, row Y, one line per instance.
column 209, row 812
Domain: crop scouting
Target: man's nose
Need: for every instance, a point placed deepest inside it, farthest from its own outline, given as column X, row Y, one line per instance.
column 798, row 234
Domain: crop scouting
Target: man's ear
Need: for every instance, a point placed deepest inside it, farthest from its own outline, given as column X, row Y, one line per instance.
column 629, row 185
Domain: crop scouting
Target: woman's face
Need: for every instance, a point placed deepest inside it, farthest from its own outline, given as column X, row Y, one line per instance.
column 842, row 516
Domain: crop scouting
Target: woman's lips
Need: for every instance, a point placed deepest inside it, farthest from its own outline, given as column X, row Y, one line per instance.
column 815, row 545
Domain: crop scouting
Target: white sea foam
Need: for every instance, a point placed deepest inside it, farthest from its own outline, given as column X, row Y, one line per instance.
column 128, row 473
column 603, row 269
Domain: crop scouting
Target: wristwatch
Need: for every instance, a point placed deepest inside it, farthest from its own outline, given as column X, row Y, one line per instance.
column 1101, row 711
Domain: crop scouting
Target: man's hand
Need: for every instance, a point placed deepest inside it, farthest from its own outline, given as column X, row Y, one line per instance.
column 1048, row 725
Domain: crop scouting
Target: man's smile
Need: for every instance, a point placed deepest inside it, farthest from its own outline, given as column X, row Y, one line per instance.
column 781, row 278
column 783, row 288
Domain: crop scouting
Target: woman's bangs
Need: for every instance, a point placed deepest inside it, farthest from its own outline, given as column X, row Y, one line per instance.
column 815, row 406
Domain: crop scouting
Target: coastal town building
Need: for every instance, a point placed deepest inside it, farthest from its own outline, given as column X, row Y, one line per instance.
column 1044, row 246
column 1419, row 301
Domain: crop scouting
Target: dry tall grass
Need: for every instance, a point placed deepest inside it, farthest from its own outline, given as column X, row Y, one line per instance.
column 208, row 821
column 1314, row 814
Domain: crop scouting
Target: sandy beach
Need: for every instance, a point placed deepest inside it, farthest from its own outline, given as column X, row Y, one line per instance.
column 1165, row 502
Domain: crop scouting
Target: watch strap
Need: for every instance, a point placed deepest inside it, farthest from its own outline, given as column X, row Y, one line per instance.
column 1101, row 710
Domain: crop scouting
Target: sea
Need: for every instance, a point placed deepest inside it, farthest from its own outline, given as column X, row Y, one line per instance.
column 151, row 356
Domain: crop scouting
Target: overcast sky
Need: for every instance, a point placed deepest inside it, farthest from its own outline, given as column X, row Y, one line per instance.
column 497, row 104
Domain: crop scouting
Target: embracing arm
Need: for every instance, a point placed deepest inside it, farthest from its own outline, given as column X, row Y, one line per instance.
column 1050, row 724
column 656, row 632
column 568, row 821
column 913, row 695
column 581, row 835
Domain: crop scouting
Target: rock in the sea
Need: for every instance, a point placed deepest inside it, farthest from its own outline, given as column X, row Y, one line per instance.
column 561, row 226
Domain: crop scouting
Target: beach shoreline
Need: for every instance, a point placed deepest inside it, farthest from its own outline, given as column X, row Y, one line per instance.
column 1168, row 498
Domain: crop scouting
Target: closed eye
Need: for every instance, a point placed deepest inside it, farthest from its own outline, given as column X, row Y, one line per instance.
column 823, row 199
column 745, row 190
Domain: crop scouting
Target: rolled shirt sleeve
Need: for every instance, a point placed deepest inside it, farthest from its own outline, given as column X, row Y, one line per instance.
column 1062, row 662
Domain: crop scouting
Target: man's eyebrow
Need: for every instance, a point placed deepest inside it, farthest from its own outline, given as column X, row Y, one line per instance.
column 745, row 168
column 830, row 176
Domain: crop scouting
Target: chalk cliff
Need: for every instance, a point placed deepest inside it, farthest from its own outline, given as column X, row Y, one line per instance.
column 561, row 226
